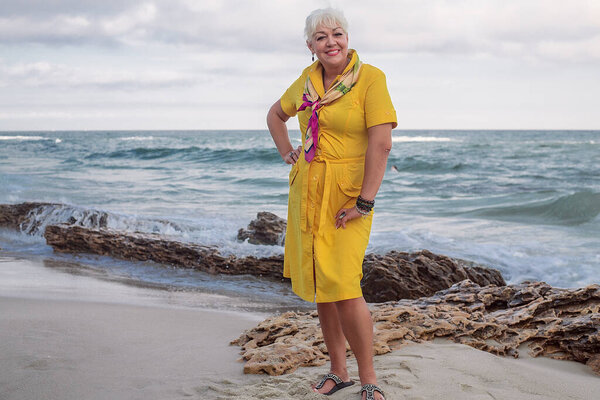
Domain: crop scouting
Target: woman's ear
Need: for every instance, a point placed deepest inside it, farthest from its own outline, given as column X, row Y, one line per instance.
column 309, row 45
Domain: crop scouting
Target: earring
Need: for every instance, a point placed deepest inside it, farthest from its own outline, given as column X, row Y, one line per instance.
column 313, row 57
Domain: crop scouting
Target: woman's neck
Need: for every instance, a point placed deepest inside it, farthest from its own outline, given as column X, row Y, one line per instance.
column 329, row 74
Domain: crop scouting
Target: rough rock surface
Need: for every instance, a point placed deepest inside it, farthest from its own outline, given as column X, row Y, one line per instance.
column 139, row 246
column 267, row 228
column 398, row 275
column 554, row 322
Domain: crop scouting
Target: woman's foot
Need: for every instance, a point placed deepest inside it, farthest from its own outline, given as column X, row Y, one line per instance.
column 331, row 383
column 373, row 390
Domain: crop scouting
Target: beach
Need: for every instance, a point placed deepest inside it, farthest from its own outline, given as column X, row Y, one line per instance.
column 95, row 322
column 65, row 336
column 77, row 337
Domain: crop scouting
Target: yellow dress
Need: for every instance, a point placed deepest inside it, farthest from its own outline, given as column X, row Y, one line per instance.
column 325, row 263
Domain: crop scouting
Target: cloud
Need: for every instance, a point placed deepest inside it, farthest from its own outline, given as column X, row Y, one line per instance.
column 195, row 63
column 45, row 74
column 471, row 27
column 83, row 28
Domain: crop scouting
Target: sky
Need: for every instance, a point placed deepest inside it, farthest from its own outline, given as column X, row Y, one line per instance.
column 220, row 64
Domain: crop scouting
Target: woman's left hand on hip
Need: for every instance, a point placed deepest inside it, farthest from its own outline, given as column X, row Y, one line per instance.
column 345, row 215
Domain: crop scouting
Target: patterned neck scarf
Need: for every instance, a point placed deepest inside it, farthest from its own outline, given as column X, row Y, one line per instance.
column 311, row 99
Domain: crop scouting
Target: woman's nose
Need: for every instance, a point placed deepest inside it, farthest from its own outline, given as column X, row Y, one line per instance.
column 330, row 41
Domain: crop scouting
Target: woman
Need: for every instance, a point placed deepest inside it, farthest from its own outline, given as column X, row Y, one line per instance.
column 346, row 118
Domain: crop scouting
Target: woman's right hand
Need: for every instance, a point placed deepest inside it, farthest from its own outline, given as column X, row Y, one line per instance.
column 292, row 156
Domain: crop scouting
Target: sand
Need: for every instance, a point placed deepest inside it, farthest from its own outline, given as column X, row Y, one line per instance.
column 438, row 370
column 56, row 349
column 66, row 337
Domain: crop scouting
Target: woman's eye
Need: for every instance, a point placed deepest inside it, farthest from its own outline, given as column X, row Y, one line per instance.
column 338, row 34
column 320, row 37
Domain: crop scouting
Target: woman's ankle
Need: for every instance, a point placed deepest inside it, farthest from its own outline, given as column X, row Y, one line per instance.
column 342, row 372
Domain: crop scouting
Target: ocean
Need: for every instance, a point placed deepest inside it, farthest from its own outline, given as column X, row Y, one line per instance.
column 524, row 202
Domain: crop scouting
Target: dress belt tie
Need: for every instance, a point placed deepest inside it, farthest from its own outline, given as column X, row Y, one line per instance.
column 326, row 188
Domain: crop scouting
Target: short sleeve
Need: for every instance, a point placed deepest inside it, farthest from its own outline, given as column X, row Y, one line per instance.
column 378, row 104
column 289, row 100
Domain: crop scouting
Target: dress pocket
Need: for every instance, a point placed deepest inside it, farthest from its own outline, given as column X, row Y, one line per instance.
column 351, row 181
column 293, row 174
column 348, row 188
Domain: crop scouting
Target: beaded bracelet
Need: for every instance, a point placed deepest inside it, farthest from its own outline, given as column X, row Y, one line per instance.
column 362, row 200
column 363, row 212
column 363, row 206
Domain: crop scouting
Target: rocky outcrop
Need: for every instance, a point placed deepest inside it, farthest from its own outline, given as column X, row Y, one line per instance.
column 398, row 275
column 558, row 323
column 391, row 277
column 267, row 228
column 388, row 277
column 150, row 247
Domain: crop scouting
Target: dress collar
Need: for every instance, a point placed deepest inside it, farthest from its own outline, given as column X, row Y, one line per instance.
column 316, row 72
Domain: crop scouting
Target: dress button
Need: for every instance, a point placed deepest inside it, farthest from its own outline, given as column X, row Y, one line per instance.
column 315, row 178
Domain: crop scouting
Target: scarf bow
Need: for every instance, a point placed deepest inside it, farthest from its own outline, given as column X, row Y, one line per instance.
column 311, row 100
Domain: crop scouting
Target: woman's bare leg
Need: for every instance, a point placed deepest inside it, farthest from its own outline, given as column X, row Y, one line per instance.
column 357, row 325
column 335, row 342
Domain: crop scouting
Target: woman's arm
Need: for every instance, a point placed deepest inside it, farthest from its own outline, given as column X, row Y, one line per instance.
column 380, row 144
column 276, row 119
column 378, row 149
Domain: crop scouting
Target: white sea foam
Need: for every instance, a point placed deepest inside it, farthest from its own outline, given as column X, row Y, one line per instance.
column 397, row 139
column 138, row 138
column 24, row 138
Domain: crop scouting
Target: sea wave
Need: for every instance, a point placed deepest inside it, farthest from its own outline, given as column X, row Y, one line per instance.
column 25, row 138
column 213, row 231
column 414, row 164
column 572, row 209
column 137, row 138
column 51, row 214
column 30, row 138
column 403, row 139
column 191, row 153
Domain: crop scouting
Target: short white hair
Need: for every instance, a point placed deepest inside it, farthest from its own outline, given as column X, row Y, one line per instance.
column 328, row 17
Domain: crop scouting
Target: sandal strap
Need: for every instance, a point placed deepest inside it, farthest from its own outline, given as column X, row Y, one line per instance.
column 333, row 377
column 371, row 389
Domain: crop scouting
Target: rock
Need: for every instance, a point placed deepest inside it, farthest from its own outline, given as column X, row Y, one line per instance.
column 32, row 218
column 398, row 275
column 153, row 247
column 276, row 350
column 390, row 277
column 393, row 276
column 267, row 228
column 558, row 323
column 13, row 215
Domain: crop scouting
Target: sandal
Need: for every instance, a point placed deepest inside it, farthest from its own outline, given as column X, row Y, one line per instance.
column 371, row 389
column 339, row 384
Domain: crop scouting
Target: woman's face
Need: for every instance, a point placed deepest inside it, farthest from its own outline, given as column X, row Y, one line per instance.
column 330, row 46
